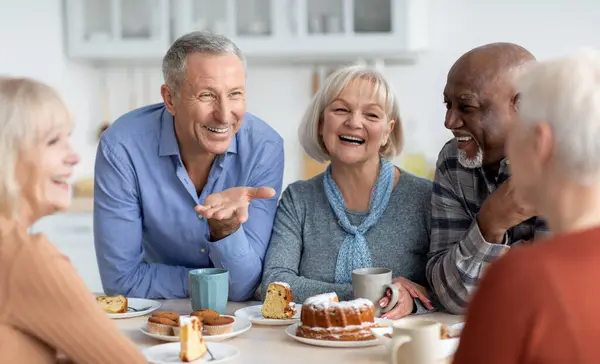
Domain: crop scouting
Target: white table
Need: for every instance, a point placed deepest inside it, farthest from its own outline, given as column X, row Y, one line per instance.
column 270, row 344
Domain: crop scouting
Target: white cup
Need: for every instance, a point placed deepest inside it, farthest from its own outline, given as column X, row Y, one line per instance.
column 415, row 341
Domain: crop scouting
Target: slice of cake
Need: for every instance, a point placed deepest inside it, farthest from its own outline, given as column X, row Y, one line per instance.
column 192, row 343
column 279, row 302
column 112, row 304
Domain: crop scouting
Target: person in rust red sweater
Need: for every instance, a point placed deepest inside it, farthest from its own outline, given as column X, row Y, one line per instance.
column 45, row 307
column 539, row 303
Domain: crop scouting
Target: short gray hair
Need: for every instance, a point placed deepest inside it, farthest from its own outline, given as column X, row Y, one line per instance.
column 174, row 62
column 29, row 110
column 308, row 132
column 565, row 92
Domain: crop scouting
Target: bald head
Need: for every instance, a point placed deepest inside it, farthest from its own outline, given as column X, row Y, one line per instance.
column 489, row 62
column 481, row 100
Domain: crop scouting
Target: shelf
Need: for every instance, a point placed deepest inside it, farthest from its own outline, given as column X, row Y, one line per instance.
column 325, row 17
column 372, row 16
column 254, row 18
column 117, row 28
column 279, row 31
column 209, row 15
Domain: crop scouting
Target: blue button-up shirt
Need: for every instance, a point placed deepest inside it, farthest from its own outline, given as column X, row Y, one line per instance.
column 146, row 232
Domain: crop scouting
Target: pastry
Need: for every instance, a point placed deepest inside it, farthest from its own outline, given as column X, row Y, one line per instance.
column 218, row 325
column 323, row 317
column 192, row 345
column 174, row 316
column 205, row 314
column 112, row 304
column 279, row 302
column 161, row 325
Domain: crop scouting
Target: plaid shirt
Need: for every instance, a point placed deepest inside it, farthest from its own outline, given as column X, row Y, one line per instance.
column 458, row 254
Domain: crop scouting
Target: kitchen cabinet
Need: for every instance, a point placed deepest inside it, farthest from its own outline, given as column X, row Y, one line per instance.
column 338, row 30
column 117, row 29
column 288, row 31
column 72, row 234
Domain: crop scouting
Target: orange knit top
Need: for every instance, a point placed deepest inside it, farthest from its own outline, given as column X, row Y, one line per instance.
column 538, row 304
column 46, row 308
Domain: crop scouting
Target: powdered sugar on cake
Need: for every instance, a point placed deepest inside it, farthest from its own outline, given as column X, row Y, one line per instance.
column 323, row 317
column 357, row 303
column 364, row 325
column 186, row 320
column 329, row 300
column 321, row 299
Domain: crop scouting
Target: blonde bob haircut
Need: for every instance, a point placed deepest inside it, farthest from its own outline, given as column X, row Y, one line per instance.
column 308, row 132
column 29, row 110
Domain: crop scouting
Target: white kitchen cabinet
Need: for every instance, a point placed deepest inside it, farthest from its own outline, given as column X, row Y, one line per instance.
column 312, row 30
column 278, row 31
column 117, row 29
column 72, row 234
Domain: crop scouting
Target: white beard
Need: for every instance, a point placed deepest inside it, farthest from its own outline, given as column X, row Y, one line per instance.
column 470, row 163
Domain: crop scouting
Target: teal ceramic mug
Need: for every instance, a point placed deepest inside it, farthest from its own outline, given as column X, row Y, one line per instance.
column 209, row 289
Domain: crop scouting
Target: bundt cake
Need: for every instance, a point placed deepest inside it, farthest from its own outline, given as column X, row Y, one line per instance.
column 323, row 317
column 278, row 302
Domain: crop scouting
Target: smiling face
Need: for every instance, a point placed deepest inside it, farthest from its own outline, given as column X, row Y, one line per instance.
column 355, row 124
column 38, row 158
column 44, row 172
column 481, row 101
column 209, row 105
column 478, row 113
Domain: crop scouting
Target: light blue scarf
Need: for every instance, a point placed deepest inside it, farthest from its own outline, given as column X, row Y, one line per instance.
column 354, row 252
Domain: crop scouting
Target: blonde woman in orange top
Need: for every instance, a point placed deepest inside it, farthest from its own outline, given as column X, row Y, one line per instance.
column 45, row 307
column 539, row 304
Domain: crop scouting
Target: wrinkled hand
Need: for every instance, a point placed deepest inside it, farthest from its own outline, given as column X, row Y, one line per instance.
column 408, row 291
column 232, row 203
column 501, row 211
column 227, row 210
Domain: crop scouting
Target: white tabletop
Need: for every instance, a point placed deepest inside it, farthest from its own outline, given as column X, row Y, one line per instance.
column 270, row 344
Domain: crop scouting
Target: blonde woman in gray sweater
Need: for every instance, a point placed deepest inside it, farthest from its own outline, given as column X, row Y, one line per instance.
column 362, row 211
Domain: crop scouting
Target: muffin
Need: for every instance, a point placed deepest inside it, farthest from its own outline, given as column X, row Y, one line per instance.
column 174, row 316
column 161, row 325
column 176, row 329
column 218, row 325
column 205, row 314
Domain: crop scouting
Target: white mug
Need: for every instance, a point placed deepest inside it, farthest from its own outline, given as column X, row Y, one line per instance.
column 415, row 341
column 372, row 283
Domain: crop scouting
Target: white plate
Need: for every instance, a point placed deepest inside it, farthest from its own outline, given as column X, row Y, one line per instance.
column 169, row 353
column 138, row 304
column 240, row 325
column 253, row 314
column 291, row 331
column 447, row 347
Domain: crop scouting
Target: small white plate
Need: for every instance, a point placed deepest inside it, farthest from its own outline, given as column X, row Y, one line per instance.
column 253, row 314
column 291, row 331
column 240, row 325
column 446, row 348
column 169, row 353
column 137, row 304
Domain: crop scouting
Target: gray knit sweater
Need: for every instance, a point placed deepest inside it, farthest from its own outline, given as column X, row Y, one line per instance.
column 306, row 238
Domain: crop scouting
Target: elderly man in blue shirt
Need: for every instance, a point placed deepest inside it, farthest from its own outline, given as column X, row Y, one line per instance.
column 188, row 183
